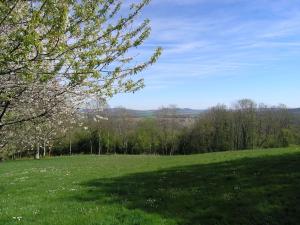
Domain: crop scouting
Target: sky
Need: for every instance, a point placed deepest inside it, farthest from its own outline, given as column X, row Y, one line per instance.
column 220, row 51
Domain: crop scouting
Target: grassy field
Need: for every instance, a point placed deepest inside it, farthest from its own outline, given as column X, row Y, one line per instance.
column 230, row 188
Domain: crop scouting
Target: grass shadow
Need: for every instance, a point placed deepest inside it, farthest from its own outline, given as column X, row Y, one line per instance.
column 256, row 191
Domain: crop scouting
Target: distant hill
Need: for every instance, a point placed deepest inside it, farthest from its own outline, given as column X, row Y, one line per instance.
column 295, row 111
column 181, row 112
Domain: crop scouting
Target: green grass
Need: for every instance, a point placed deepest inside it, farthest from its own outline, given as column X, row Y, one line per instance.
column 256, row 187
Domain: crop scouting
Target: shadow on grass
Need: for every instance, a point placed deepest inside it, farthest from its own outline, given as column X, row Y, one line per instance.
column 252, row 191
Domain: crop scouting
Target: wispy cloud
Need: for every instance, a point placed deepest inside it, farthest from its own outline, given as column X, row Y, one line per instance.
column 224, row 40
column 206, row 41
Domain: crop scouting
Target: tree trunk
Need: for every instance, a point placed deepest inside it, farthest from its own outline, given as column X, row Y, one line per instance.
column 126, row 147
column 50, row 150
column 37, row 153
column 91, row 144
column 45, row 148
column 108, row 150
column 99, row 145
column 70, row 145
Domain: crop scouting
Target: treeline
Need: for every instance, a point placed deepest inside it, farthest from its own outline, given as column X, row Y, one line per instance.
column 245, row 125
column 123, row 133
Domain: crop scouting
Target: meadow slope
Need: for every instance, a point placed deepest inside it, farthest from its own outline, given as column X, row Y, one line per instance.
column 254, row 187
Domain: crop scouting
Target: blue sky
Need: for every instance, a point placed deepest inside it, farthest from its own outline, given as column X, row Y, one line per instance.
column 219, row 51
